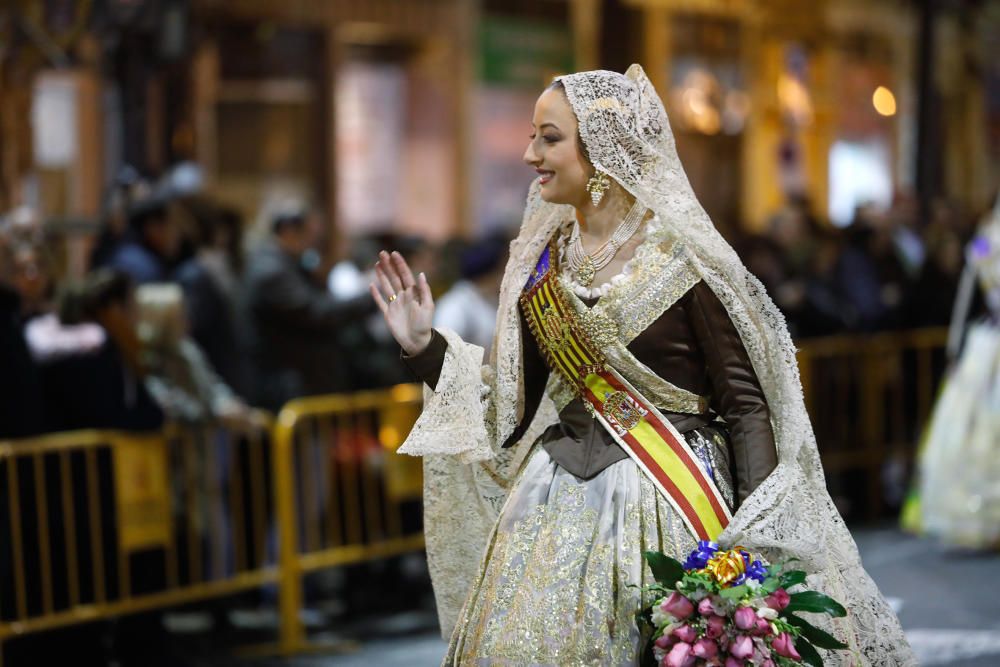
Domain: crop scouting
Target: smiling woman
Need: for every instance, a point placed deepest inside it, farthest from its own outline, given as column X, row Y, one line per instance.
column 657, row 409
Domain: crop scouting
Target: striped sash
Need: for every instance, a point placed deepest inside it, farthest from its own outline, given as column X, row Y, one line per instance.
column 647, row 436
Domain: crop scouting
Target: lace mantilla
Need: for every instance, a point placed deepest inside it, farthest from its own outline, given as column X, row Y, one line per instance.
column 627, row 135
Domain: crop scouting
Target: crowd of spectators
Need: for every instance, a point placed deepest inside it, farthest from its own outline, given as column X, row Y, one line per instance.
column 887, row 270
column 178, row 319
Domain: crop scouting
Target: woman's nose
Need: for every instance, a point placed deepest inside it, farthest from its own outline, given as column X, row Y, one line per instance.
column 530, row 157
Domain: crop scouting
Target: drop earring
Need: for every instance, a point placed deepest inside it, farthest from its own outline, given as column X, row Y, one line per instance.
column 597, row 186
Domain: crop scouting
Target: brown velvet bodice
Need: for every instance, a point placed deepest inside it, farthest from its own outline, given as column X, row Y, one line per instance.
column 693, row 345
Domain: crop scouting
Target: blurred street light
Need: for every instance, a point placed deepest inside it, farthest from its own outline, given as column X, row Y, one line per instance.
column 884, row 101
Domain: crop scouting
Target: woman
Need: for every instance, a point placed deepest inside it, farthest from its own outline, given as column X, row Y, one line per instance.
column 641, row 369
column 960, row 462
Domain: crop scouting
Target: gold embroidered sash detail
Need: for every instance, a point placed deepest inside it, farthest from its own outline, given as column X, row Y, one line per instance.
column 636, row 425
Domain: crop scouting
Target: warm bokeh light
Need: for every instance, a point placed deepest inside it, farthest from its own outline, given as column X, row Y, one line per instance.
column 884, row 101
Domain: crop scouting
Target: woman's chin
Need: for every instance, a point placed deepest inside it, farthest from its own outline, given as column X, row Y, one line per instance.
column 550, row 195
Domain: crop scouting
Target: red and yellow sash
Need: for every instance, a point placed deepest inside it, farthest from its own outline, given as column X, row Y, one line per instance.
column 648, row 437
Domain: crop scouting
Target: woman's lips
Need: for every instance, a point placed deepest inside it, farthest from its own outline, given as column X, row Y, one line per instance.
column 544, row 176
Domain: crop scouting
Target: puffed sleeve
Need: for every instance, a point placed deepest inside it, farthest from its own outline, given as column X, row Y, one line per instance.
column 736, row 393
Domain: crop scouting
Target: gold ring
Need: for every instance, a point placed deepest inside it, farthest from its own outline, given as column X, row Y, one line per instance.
column 392, row 297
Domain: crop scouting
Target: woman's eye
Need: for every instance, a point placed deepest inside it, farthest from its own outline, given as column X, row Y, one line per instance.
column 531, row 137
column 550, row 139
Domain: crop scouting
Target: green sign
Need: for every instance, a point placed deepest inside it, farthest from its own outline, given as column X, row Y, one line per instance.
column 523, row 54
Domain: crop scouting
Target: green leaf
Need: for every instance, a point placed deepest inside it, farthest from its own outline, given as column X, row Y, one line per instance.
column 793, row 578
column 770, row 585
column 666, row 570
column 734, row 593
column 816, row 636
column 809, row 654
column 817, row 603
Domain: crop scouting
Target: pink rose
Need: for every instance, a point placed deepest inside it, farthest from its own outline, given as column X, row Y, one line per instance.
column 733, row 662
column 677, row 606
column 761, row 627
column 784, row 646
column 778, row 600
column 715, row 627
column 664, row 642
column 705, row 648
column 745, row 618
column 686, row 634
column 741, row 647
column 705, row 607
column 767, row 663
column 680, row 656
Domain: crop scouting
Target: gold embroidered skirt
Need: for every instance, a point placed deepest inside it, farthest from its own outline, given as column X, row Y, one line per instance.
column 560, row 578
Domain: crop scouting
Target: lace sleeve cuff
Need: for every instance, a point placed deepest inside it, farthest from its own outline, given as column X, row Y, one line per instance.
column 453, row 418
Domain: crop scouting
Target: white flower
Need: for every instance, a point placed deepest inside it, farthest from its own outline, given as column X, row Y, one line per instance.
column 768, row 613
column 660, row 617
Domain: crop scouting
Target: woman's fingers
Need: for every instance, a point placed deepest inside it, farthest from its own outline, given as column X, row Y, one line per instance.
column 403, row 270
column 379, row 301
column 424, row 290
column 384, row 283
column 386, row 262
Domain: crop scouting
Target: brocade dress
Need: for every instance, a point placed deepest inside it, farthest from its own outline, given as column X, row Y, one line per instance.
column 559, row 582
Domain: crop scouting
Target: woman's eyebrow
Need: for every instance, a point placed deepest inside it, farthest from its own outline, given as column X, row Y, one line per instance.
column 552, row 125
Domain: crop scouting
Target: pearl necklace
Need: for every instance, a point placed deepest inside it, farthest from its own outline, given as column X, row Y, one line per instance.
column 586, row 266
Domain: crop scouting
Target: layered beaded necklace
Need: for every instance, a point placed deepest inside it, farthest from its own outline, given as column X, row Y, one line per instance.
column 585, row 266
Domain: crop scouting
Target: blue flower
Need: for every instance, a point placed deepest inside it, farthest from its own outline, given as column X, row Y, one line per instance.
column 699, row 558
column 757, row 570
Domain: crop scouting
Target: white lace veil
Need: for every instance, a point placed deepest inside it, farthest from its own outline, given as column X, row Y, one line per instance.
column 626, row 133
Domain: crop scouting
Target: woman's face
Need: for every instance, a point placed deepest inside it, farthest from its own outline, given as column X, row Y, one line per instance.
column 555, row 152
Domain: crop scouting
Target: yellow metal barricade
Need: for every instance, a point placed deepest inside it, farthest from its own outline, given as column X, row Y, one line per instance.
column 103, row 523
column 868, row 397
column 343, row 494
column 79, row 510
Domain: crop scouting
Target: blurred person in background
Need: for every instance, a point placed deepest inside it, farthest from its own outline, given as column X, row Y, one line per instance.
column 295, row 323
column 33, row 275
column 211, row 282
column 127, row 188
column 469, row 308
column 178, row 375
column 930, row 298
column 959, row 468
column 371, row 352
column 869, row 274
column 802, row 277
column 151, row 246
column 21, row 398
column 98, row 382
column 189, row 392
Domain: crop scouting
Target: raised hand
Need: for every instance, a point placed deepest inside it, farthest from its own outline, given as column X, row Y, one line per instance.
column 405, row 302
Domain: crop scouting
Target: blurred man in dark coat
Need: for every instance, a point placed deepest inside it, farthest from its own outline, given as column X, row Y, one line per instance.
column 295, row 323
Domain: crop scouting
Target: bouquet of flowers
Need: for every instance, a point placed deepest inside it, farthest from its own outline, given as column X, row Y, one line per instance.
column 730, row 608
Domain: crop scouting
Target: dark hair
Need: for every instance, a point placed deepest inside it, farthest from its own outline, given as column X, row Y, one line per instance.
column 101, row 289
column 152, row 209
column 289, row 218
column 481, row 257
